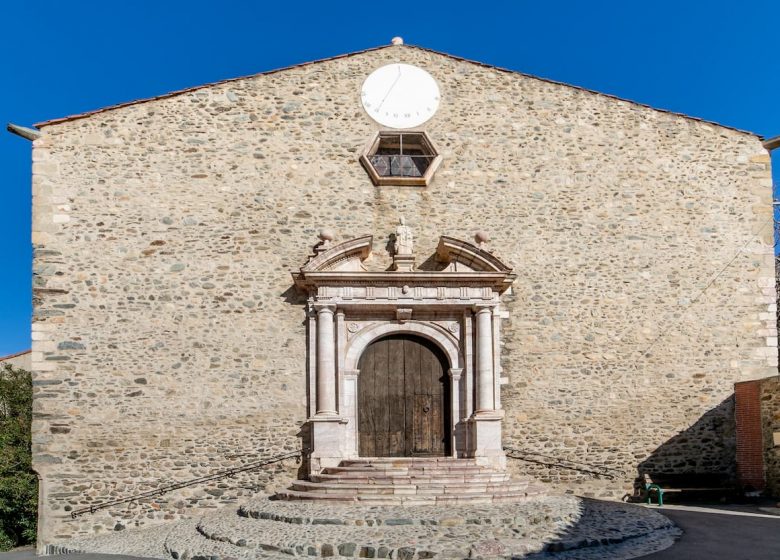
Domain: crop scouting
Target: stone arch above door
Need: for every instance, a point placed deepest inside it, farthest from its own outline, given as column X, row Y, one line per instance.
column 436, row 334
column 457, row 307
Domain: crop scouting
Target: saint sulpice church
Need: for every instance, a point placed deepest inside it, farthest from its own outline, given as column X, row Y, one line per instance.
column 394, row 256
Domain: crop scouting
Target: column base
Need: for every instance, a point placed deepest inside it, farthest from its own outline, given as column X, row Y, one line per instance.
column 328, row 436
column 485, row 439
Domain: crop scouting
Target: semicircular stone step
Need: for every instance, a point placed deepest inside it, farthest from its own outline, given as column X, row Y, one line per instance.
column 355, row 513
column 436, row 478
column 409, row 489
column 410, row 480
column 411, row 460
column 332, row 539
column 409, row 500
column 184, row 545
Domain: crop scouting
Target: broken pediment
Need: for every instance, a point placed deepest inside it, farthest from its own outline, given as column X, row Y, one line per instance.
column 465, row 265
column 344, row 257
column 462, row 255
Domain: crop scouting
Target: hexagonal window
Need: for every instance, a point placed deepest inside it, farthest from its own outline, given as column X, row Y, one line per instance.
column 400, row 158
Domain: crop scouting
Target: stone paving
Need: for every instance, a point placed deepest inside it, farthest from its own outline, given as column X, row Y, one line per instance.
column 562, row 527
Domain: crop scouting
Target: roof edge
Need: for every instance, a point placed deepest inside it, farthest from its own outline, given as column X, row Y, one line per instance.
column 587, row 90
column 380, row 47
column 174, row 93
column 16, row 355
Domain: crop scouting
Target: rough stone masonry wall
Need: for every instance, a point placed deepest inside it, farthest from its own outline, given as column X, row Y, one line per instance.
column 770, row 423
column 168, row 341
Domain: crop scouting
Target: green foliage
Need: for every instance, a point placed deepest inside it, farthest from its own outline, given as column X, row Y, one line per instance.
column 18, row 482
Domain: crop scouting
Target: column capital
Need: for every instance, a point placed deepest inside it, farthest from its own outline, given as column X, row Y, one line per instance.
column 455, row 373
column 324, row 308
column 483, row 308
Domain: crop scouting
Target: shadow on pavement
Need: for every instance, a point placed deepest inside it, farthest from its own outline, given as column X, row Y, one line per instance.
column 720, row 536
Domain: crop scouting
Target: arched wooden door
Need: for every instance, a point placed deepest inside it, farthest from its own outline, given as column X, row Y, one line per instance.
column 403, row 399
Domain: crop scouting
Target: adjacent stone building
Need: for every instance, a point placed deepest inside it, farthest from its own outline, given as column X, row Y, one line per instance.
column 19, row 360
column 630, row 251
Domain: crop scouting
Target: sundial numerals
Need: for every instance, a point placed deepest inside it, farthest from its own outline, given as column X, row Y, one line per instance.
column 400, row 95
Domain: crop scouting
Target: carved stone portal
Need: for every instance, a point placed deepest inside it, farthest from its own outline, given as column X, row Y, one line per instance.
column 457, row 309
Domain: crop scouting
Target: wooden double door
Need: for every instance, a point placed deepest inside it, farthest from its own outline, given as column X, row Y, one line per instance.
column 403, row 399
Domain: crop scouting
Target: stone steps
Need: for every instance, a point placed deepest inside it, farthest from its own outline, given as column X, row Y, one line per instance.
column 401, row 461
column 404, row 478
column 422, row 488
column 409, row 471
column 267, row 538
column 410, row 481
column 493, row 497
column 184, row 546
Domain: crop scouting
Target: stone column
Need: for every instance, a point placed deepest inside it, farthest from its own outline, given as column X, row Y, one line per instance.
column 485, row 434
column 485, row 381
column 326, row 362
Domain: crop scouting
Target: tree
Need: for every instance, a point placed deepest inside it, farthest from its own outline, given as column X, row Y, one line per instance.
column 18, row 482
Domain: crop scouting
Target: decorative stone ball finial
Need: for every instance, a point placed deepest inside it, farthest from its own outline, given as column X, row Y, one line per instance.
column 325, row 235
column 397, row 41
column 481, row 237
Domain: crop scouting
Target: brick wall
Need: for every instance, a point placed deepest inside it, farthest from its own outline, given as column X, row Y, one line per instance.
column 750, row 445
column 770, row 426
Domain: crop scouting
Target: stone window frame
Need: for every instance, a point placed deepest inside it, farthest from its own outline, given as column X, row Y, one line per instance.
column 382, row 180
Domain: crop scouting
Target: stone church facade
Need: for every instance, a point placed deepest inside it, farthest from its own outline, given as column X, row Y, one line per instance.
column 188, row 318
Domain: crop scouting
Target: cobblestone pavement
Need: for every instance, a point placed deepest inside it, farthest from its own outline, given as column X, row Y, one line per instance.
column 562, row 527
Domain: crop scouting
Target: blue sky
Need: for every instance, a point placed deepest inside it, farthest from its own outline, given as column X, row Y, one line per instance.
column 711, row 59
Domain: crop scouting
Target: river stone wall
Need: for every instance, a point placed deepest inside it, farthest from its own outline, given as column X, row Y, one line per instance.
column 168, row 341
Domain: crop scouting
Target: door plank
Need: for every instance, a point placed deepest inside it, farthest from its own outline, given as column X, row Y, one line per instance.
column 410, row 379
column 396, row 405
column 366, row 420
column 382, row 393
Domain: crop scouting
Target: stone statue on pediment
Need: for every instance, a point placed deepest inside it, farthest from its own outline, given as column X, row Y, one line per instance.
column 404, row 239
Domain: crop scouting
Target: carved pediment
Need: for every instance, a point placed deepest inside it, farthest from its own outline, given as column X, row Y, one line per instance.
column 462, row 255
column 344, row 257
column 470, row 269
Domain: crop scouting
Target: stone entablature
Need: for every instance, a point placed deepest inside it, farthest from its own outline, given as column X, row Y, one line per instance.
column 456, row 307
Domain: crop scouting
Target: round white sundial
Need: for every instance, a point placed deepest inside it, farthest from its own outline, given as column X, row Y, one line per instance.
column 400, row 95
